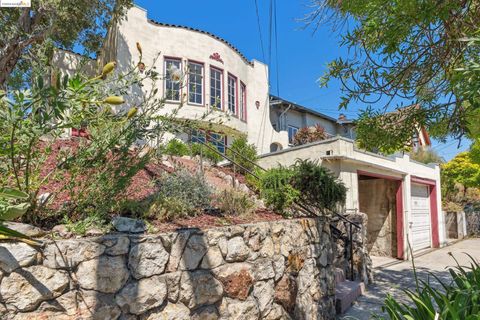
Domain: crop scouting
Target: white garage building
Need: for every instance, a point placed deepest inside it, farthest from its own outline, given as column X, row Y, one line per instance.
column 401, row 197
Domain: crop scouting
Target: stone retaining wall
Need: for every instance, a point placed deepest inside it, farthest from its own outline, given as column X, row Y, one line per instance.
column 270, row 270
column 472, row 217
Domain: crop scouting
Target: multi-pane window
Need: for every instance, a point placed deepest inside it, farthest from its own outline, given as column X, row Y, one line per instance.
column 198, row 136
column 292, row 131
column 216, row 88
column 243, row 102
column 195, row 83
column 218, row 141
column 232, row 94
column 215, row 139
column 172, row 79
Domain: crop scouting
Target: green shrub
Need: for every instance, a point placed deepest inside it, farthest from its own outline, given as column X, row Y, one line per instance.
column 234, row 202
column 177, row 148
column 247, row 152
column 317, row 186
column 181, row 194
column 276, row 189
column 459, row 299
column 207, row 153
column 306, row 182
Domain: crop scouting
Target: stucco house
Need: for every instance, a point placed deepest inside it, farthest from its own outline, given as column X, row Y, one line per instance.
column 401, row 197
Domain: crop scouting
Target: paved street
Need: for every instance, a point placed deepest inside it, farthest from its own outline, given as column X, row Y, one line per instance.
column 391, row 278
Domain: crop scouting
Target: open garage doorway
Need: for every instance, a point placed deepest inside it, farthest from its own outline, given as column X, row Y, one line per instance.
column 380, row 197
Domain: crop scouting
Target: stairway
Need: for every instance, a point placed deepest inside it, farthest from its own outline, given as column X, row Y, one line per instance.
column 346, row 291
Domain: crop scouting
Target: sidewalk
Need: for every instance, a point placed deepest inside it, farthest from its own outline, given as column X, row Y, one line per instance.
column 392, row 277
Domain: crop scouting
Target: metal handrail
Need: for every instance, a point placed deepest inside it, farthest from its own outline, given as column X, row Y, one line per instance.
column 234, row 152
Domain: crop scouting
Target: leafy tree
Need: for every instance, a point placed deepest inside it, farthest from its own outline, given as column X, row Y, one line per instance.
column 29, row 35
column 424, row 51
column 460, row 171
column 426, row 155
column 378, row 132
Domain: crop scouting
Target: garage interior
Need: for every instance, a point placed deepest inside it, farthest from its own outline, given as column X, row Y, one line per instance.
column 377, row 199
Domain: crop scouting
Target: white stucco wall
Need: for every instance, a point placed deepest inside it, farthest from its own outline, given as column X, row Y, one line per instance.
column 161, row 41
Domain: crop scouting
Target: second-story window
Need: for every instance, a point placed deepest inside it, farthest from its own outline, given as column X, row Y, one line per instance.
column 292, row 131
column 232, row 94
column 173, row 79
column 243, row 102
column 216, row 78
column 195, row 83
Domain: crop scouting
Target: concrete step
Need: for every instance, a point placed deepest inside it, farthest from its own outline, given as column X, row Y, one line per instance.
column 339, row 275
column 346, row 293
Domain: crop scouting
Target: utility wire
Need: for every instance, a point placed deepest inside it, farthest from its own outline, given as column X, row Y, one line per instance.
column 276, row 47
column 270, row 32
column 259, row 29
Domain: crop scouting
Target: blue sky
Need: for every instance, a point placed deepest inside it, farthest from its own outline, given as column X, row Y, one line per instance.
column 302, row 54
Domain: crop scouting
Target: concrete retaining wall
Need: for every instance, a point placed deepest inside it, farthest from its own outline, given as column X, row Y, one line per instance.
column 270, row 270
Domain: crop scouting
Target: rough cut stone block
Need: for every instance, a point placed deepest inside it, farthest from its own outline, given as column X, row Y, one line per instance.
column 26, row 288
column 140, row 296
column 124, row 224
column 199, row 288
column 147, row 259
column 237, row 250
column 16, row 255
column 193, row 253
column 105, row 274
column 69, row 253
column 239, row 310
column 171, row 311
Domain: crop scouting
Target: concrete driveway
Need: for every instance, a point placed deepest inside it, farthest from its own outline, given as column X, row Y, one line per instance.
column 393, row 277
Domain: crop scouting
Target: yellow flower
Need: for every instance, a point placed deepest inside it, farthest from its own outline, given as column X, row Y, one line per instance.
column 108, row 68
column 132, row 112
column 114, row 100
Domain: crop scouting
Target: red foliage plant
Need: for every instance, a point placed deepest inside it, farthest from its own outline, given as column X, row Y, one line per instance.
column 309, row 135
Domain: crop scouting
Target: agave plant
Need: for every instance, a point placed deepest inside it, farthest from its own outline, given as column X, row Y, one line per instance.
column 13, row 204
column 459, row 299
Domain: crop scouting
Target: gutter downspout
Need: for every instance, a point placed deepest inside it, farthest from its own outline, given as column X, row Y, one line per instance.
column 280, row 117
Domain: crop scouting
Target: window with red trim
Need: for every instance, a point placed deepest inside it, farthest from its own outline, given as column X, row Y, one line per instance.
column 195, row 83
column 232, row 94
column 173, row 69
column 216, row 78
column 243, row 102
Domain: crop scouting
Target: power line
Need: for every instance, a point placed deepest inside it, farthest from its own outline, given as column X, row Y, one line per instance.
column 270, row 32
column 276, row 48
column 259, row 29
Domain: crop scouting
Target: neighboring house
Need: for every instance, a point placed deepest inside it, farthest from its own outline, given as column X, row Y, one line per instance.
column 290, row 117
column 401, row 197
